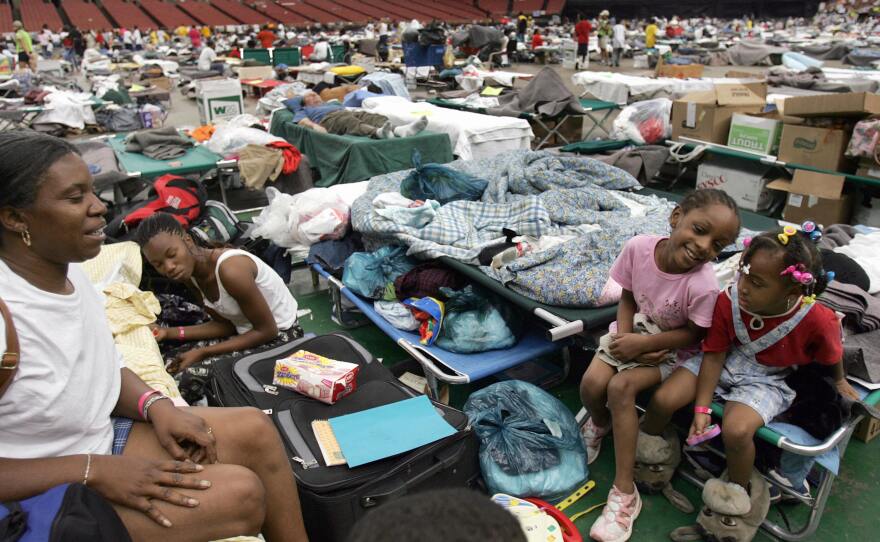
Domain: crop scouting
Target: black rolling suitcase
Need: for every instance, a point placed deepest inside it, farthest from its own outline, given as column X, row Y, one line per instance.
column 247, row 381
column 334, row 498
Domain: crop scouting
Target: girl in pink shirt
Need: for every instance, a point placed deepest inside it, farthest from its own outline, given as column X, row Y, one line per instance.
column 668, row 282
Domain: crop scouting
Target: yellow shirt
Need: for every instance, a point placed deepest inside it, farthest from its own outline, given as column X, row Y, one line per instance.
column 206, row 32
column 181, row 31
column 651, row 36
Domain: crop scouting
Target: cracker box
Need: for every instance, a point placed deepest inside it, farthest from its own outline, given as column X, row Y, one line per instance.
column 321, row 378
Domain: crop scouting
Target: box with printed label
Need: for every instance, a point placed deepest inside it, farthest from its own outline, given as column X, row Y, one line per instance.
column 219, row 99
column 321, row 378
column 756, row 134
column 819, row 197
column 817, row 147
column 745, row 181
column 705, row 115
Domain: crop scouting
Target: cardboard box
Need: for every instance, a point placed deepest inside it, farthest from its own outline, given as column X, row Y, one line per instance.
column 817, row 147
column 218, row 99
column 746, row 182
column 678, row 71
column 815, row 196
column 754, row 133
column 850, row 104
column 867, row 168
column 706, row 115
column 319, row 377
column 867, row 429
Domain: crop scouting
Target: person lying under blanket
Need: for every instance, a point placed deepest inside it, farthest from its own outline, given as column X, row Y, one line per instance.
column 311, row 111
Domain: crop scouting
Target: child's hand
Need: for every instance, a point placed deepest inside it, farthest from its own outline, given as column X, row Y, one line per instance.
column 160, row 333
column 653, row 358
column 846, row 390
column 700, row 423
column 627, row 346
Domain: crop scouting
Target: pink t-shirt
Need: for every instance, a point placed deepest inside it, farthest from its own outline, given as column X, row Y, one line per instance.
column 668, row 300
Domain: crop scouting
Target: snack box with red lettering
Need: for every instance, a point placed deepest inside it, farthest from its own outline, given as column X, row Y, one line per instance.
column 321, row 378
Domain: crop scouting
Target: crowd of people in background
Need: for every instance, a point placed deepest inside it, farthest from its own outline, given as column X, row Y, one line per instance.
column 611, row 36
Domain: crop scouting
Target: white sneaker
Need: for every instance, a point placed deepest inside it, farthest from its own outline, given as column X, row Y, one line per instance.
column 616, row 522
column 592, row 436
column 781, row 480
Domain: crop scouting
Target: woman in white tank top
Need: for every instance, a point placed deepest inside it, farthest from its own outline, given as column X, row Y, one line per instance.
column 249, row 304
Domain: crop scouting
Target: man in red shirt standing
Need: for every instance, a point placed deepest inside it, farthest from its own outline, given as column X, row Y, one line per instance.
column 266, row 37
column 582, row 32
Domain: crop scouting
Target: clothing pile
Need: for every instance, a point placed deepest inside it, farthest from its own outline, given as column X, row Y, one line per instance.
column 158, row 143
column 853, row 254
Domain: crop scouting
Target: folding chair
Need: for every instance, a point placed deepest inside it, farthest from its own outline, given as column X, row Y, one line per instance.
column 260, row 55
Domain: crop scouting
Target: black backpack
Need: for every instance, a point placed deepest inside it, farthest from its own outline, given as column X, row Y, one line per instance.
column 65, row 513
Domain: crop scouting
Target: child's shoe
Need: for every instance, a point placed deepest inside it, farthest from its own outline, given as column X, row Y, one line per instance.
column 776, row 494
column 616, row 522
column 592, row 436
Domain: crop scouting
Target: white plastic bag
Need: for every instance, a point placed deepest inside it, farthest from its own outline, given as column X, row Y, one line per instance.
column 644, row 122
column 303, row 219
column 231, row 139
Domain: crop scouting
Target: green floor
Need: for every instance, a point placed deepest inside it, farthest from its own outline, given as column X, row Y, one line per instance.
column 849, row 516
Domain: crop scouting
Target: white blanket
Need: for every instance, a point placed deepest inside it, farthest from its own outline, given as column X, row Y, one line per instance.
column 623, row 89
column 471, row 135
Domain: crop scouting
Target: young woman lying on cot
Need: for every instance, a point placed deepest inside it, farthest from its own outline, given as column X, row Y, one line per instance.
column 74, row 414
column 248, row 302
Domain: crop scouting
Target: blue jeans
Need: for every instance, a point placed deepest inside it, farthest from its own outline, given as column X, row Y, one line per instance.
column 795, row 468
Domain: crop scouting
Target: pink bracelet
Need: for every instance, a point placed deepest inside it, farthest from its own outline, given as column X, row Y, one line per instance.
column 180, row 334
column 702, row 410
column 146, row 395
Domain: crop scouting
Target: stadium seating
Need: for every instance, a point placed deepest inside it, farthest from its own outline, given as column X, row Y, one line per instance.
column 278, row 13
column 555, row 6
column 395, row 11
column 85, row 15
column 167, row 13
column 427, row 10
column 206, row 13
column 340, row 12
column 495, row 8
column 309, row 11
column 372, row 12
column 127, row 14
column 469, row 10
column 36, row 13
column 526, row 6
column 241, row 12
column 5, row 18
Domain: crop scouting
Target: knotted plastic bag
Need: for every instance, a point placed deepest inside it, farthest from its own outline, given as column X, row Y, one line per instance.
column 367, row 273
column 474, row 322
column 530, row 444
column 440, row 183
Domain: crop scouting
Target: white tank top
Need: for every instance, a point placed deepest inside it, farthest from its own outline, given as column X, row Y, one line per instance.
column 275, row 292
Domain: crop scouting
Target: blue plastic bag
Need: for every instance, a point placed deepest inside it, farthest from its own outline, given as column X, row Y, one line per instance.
column 367, row 273
column 474, row 323
column 530, row 443
column 440, row 183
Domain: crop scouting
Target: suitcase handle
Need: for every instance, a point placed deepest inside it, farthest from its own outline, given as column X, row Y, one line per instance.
column 400, row 487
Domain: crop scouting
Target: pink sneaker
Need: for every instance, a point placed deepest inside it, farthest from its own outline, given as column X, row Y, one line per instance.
column 616, row 522
column 592, row 436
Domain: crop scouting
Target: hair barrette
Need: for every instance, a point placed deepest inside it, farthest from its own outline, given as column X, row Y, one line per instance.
column 745, row 269
column 813, row 230
column 799, row 274
column 747, row 241
column 808, row 300
column 829, row 276
column 787, row 231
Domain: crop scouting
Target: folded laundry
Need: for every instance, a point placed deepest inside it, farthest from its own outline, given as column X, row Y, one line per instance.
column 861, row 310
column 158, row 143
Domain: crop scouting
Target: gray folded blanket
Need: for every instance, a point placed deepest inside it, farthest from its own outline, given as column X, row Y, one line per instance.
column 158, row 143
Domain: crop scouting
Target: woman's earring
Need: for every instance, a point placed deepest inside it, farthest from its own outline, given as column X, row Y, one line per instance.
column 26, row 237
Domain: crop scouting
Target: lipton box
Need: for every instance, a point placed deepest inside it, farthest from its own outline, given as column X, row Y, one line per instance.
column 705, row 115
column 743, row 180
column 819, row 197
column 821, row 148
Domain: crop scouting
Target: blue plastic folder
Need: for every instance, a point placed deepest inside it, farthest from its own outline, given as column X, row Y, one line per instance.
column 388, row 430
